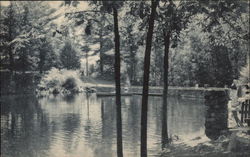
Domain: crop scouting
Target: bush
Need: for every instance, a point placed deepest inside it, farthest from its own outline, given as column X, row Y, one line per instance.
column 61, row 80
column 53, row 83
column 70, row 84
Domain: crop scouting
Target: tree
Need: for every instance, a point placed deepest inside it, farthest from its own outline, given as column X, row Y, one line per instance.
column 144, row 108
column 8, row 34
column 47, row 57
column 118, row 83
column 69, row 58
column 132, row 35
column 25, row 25
column 204, row 40
column 227, row 37
column 112, row 7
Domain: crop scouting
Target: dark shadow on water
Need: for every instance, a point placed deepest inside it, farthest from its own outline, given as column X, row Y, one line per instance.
column 164, row 133
column 70, row 98
column 28, row 125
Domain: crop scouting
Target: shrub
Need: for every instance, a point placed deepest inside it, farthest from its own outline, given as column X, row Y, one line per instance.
column 60, row 80
column 70, row 84
column 53, row 83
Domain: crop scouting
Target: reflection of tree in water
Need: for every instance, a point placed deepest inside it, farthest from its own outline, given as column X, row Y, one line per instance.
column 28, row 134
column 71, row 124
column 134, row 119
column 108, row 119
column 88, row 125
column 108, row 126
column 164, row 123
column 155, row 104
column 216, row 115
column 99, row 136
column 70, row 98
column 88, row 122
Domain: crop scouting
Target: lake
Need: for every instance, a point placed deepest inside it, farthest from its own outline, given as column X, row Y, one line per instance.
column 85, row 125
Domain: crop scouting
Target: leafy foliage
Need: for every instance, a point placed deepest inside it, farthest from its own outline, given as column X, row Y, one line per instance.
column 69, row 58
column 208, row 39
column 60, row 79
column 245, row 74
column 69, row 84
column 24, row 31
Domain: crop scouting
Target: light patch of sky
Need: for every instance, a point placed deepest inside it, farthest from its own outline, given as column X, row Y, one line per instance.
column 54, row 4
column 4, row 3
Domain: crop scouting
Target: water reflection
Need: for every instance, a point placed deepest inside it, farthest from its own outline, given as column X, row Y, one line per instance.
column 164, row 130
column 22, row 125
column 84, row 125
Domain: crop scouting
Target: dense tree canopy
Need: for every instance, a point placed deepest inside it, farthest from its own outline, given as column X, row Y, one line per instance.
column 206, row 39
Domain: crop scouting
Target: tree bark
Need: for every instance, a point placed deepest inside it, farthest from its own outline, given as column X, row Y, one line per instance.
column 165, row 139
column 144, row 108
column 11, row 57
column 101, row 55
column 117, row 84
column 41, row 62
column 101, row 45
column 87, row 64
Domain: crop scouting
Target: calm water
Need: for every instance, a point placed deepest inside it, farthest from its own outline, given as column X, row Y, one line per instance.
column 85, row 126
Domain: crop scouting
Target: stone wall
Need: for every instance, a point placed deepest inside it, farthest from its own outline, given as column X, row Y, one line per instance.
column 216, row 122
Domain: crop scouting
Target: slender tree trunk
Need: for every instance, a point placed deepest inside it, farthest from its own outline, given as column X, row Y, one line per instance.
column 132, row 59
column 40, row 65
column 87, row 64
column 42, row 56
column 165, row 90
column 101, row 55
column 101, row 46
column 131, row 63
column 117, row 84
column 10, row 50
column 144, row 108
column 11, row 57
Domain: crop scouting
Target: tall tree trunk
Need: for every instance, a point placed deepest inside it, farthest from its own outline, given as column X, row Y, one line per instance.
column 101, row 45
column 41, row 62
column 117, row 84
column 101, row 55
column 42, row 57
column 132, row 59
column 165, row 90
column 10, row 25
column 87, row 64
column 144, row 108
column 11, row 60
